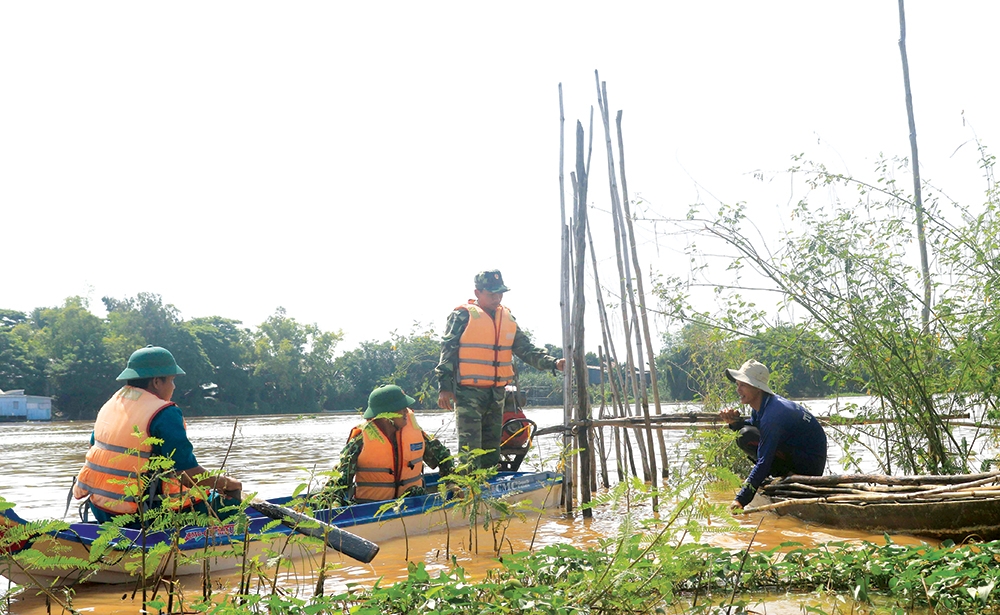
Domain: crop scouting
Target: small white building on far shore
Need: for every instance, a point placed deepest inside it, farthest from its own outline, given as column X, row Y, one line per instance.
column 16, row 406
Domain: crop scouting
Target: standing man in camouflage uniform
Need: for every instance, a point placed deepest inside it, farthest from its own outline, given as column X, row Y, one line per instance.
column 477, row 350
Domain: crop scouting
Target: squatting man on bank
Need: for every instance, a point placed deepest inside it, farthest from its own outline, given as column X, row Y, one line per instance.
column 780, row 437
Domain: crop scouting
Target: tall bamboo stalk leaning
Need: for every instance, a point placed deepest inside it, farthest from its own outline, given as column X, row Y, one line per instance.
column 918, row 206
column 640, row 400
column 650, row 354
column 609, row 365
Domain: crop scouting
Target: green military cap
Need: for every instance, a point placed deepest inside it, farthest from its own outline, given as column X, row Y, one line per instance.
column 150, row 362
column 490, row 280
column 388, row 398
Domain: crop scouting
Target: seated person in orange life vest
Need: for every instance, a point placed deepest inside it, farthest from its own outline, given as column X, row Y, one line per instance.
column 144, row 403
column 384, row 457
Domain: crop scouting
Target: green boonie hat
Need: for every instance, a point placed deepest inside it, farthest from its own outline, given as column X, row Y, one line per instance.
column 490, row 280
column 150, row 362
column 388, row 398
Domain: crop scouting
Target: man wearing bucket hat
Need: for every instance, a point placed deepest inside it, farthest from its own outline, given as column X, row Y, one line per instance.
column 143, row 405
column 477, row 350
column 384, row 457
column 780, row 437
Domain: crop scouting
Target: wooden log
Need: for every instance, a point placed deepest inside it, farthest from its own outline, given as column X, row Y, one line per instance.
column 875, row 497
column 708, row 420
column 836, row 479
column 860, row 487
column 631, row 421
column 794, row 491
column 803, row 491
column 976, row 425
column 837, row 420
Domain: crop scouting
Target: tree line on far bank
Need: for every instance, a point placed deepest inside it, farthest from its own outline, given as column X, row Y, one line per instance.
column 280, row 366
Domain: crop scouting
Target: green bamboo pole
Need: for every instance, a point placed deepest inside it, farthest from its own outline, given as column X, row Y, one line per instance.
column 602, row 97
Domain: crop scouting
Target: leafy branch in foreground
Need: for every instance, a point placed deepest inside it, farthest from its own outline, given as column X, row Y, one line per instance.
column 846, row 266
column 676, row 578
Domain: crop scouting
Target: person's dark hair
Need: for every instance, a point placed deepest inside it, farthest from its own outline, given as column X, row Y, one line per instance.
column 139, row 383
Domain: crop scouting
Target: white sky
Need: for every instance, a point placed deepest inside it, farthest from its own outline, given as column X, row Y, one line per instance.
column 357, row 163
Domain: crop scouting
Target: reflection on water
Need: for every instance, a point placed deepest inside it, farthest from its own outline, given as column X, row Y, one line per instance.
column 274, row 454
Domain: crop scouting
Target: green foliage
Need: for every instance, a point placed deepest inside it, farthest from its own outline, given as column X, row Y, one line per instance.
column 844, row 270
column 650, row 565
column 407, row 361
column 798, row 356
column 228, row 347
column 417, row 355
column 143, row 320
column 362, row 370
column 278, row 367
column 541, row 388
column 693, row 361
column 72, row 341
column 294, row 363
column 717, row 449
column 635, row 575
column 467, row 482
column 21, row 367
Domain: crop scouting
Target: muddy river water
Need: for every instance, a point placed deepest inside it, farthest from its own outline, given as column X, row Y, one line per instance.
column 272, row 455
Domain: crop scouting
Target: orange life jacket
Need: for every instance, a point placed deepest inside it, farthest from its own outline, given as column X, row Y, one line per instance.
column 485, row 355
column 109, row 466
column 381, row 473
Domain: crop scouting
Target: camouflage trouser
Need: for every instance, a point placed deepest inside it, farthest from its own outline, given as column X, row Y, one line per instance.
column 478, row 418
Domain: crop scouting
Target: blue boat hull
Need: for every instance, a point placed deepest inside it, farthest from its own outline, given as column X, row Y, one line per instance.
column 228, row 545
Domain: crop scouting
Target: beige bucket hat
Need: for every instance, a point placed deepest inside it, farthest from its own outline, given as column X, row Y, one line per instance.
column 752, row 373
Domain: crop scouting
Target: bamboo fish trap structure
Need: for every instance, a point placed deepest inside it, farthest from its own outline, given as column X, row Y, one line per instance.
column 625, row 382
column 633, row 419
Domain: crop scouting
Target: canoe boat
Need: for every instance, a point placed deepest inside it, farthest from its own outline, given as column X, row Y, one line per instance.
column 948, row 507
column 228, row 547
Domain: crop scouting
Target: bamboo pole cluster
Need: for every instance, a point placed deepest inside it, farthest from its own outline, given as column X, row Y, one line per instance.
column 634, row 430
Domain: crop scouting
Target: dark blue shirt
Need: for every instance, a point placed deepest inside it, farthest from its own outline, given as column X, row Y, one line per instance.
column 785, row 424
column 168, row 425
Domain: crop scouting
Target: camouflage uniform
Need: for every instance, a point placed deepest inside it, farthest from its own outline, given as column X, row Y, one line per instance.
column 340, row 489
column 479, row 410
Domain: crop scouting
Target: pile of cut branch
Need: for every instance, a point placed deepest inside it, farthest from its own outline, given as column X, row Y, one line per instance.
column 862, row 489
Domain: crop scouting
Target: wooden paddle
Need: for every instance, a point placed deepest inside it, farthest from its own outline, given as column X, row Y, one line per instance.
column 337, row 539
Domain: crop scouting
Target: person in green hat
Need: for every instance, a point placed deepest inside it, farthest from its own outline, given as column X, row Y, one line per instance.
column 385, row 456
column 480, row 342
column 141, row 409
